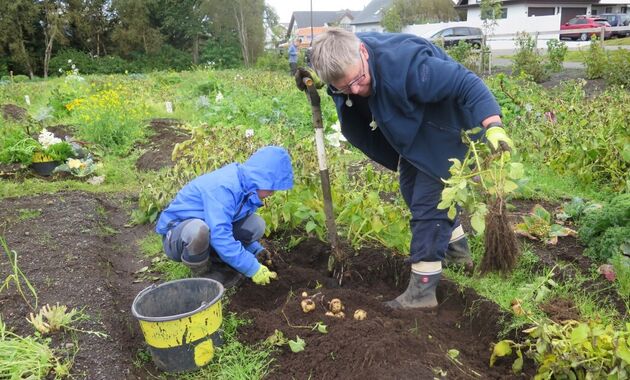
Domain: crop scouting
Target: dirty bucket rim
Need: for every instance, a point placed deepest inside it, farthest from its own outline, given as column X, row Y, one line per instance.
column 174, row 317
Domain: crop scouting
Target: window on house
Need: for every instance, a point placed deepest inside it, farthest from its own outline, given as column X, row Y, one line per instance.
column 593, row 12
column 608, row 9
column 485, row 14
column 540, row 11
column 624, row 10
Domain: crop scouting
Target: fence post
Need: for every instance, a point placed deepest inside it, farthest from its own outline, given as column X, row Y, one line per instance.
column 602, row 34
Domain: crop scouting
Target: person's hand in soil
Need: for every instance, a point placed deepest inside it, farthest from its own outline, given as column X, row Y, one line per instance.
column 265, row 257
column 264, row 276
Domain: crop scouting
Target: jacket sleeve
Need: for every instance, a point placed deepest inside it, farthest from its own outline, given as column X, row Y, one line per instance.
column 431, row 79
column 219, row 209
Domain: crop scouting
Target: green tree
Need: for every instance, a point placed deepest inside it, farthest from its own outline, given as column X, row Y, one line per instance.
column 18, row 28
column 89, row 25
column 409, row 12
column 183, row 23
column 134, row 30
column 53, row 23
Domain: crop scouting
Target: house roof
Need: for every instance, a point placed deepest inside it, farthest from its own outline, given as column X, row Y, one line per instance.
column 373, row 12
column 320, row 18
column 473, row 3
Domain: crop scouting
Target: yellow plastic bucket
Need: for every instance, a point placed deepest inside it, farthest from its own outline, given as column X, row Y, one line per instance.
column 181, row 321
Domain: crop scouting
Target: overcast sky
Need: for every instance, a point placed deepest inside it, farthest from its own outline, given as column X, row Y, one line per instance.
column 285, row 8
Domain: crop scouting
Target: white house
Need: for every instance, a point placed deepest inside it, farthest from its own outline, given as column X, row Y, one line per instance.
column 526, row 16
column 370, row 19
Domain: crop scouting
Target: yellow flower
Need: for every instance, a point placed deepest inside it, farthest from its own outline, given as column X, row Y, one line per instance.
column 74, row 163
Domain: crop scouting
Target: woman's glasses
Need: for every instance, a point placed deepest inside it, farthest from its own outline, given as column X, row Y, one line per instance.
column 347, row 88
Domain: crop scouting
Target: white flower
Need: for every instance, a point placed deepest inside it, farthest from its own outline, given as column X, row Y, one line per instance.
column 69, row 61
column 47, row 138
column 219, row 97
column 249, row 133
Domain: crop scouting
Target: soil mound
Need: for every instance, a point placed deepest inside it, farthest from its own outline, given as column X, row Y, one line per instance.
column 166, row 133
column 386, row 345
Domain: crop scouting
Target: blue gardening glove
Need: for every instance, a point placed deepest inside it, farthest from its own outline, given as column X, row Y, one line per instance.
column 264, row 276
column 497, row 139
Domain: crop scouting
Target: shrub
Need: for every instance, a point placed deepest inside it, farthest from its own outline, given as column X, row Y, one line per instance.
column 605, row 231
column 62, row 60
column 168, row 58
column 222, row 54
column 556, row 51
column 273, row 61
column 528, row 60
column 618, row 68
column 596, row 60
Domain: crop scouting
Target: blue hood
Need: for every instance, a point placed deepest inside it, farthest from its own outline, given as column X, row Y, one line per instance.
column 269, row 168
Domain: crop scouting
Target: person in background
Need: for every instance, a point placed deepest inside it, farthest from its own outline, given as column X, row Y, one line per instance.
column 211, row 225
column 404, row 102
column 293, row 56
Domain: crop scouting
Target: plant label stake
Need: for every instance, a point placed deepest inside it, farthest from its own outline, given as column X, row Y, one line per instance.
column 336, row 259
column 169, row 107
column 27, row 99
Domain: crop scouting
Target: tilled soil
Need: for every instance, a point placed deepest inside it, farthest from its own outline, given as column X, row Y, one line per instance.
column 76, row 251
column 166, row 134
column 388, row 344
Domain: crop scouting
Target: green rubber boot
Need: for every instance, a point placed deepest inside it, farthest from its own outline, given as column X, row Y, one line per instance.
column 420, row 293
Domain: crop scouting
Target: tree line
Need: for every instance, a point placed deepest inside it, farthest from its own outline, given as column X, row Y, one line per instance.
column 226, row 32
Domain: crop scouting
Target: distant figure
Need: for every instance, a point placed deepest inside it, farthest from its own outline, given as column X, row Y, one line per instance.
column 308, row 55
column 293, row 56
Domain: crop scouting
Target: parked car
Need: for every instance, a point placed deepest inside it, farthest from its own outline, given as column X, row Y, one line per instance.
column 471, row 35
column 584, row 22
column 618, row 19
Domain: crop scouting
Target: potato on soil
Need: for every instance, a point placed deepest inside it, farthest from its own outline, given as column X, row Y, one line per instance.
column 360, row 314
column 335, row 306
column 304, row 294
column 307, row 305
column 340, row 314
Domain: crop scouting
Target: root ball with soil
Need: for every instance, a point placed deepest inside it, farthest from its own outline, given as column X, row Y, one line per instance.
column 501, row 244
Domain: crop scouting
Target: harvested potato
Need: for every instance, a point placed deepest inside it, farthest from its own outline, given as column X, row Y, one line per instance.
column 304, row 294
column 360, row 314
column 307, row 305
column 335, row 305
column 340, row 314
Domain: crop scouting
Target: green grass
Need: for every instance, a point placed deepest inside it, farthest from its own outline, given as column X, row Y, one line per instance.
column 28, row 214
column 120, row 176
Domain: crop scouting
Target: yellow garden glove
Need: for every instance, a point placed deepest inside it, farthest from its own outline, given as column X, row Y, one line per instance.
column 264, row 276
column 497, row 139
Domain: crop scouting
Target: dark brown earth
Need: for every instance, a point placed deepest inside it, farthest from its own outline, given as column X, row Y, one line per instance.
column 166, row 133
column 13, row 112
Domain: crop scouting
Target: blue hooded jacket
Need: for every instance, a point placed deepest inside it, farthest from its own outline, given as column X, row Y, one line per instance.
column 227, row 195
column 421, row 100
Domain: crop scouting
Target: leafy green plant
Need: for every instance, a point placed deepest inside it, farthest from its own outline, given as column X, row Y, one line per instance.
column 607, row 230
column 481, row 185
column 78, row 167
column 528, row 59
column 50, row 319
column 596, row 60
column 539, row 224
column 576, row 209
column 618, row 65
column 28, row 357
column 556, row 52
column 571, row 350
column 621, row 265
column 17, row 276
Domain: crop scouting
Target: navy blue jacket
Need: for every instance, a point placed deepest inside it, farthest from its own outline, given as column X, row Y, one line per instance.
column 421, row 100
column 227, row 195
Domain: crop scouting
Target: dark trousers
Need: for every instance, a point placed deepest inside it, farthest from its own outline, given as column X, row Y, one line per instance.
column 293, row 67
column 191, row 238
column 431, row 228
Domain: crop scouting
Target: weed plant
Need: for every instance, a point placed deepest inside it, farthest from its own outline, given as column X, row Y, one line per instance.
column 17, row 276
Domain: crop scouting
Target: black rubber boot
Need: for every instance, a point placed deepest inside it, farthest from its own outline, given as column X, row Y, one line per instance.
column 225, row 274
column 420, row 293
column 197, row 268
column 458, row 256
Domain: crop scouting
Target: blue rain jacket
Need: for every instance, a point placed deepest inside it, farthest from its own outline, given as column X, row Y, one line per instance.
column 227, row 195
column 421, row 100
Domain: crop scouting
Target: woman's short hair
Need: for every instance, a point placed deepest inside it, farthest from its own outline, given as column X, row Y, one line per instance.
column 333, row 52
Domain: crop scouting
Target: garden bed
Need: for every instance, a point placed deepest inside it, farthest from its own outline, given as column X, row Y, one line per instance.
column 74, row 248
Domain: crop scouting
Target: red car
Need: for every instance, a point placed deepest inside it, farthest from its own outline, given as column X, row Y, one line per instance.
column 583, row 22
